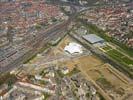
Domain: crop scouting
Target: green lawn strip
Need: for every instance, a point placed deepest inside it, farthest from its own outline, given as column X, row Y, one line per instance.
column 119, row 57
column 107, row 48
column 127, row 60
column 115, row 53
column 95, row 30
column 102, row 34
column 115, row 57
column 126, row 52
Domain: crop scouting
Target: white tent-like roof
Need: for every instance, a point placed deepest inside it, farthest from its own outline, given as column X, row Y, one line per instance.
column 73, row 48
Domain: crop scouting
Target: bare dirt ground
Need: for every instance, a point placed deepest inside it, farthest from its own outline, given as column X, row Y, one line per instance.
column 113, row 83
column 110, row 81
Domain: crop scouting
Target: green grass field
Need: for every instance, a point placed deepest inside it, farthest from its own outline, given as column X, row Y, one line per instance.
column 95, row 30
column 120, row 57
column 125, row 62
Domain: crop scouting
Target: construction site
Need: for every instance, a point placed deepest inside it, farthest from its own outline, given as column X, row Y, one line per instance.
column 111, row 83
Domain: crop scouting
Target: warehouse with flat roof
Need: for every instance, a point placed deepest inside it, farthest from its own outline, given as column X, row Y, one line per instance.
column 93, row 39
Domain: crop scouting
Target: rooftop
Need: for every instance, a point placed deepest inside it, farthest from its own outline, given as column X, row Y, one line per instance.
column 73, row 48
column 92, row 38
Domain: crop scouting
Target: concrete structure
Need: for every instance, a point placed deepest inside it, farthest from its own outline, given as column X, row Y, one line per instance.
column 93, row 39
column 73, row 48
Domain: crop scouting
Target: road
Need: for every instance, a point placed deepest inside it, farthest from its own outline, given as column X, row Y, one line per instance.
column 39, row 41
column 61, row 58
column 101, row 54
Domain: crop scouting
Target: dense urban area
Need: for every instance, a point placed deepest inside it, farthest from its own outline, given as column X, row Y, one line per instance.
column 66, row 49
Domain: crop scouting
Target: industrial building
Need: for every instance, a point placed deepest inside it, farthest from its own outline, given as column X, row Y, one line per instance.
column 92, row 38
